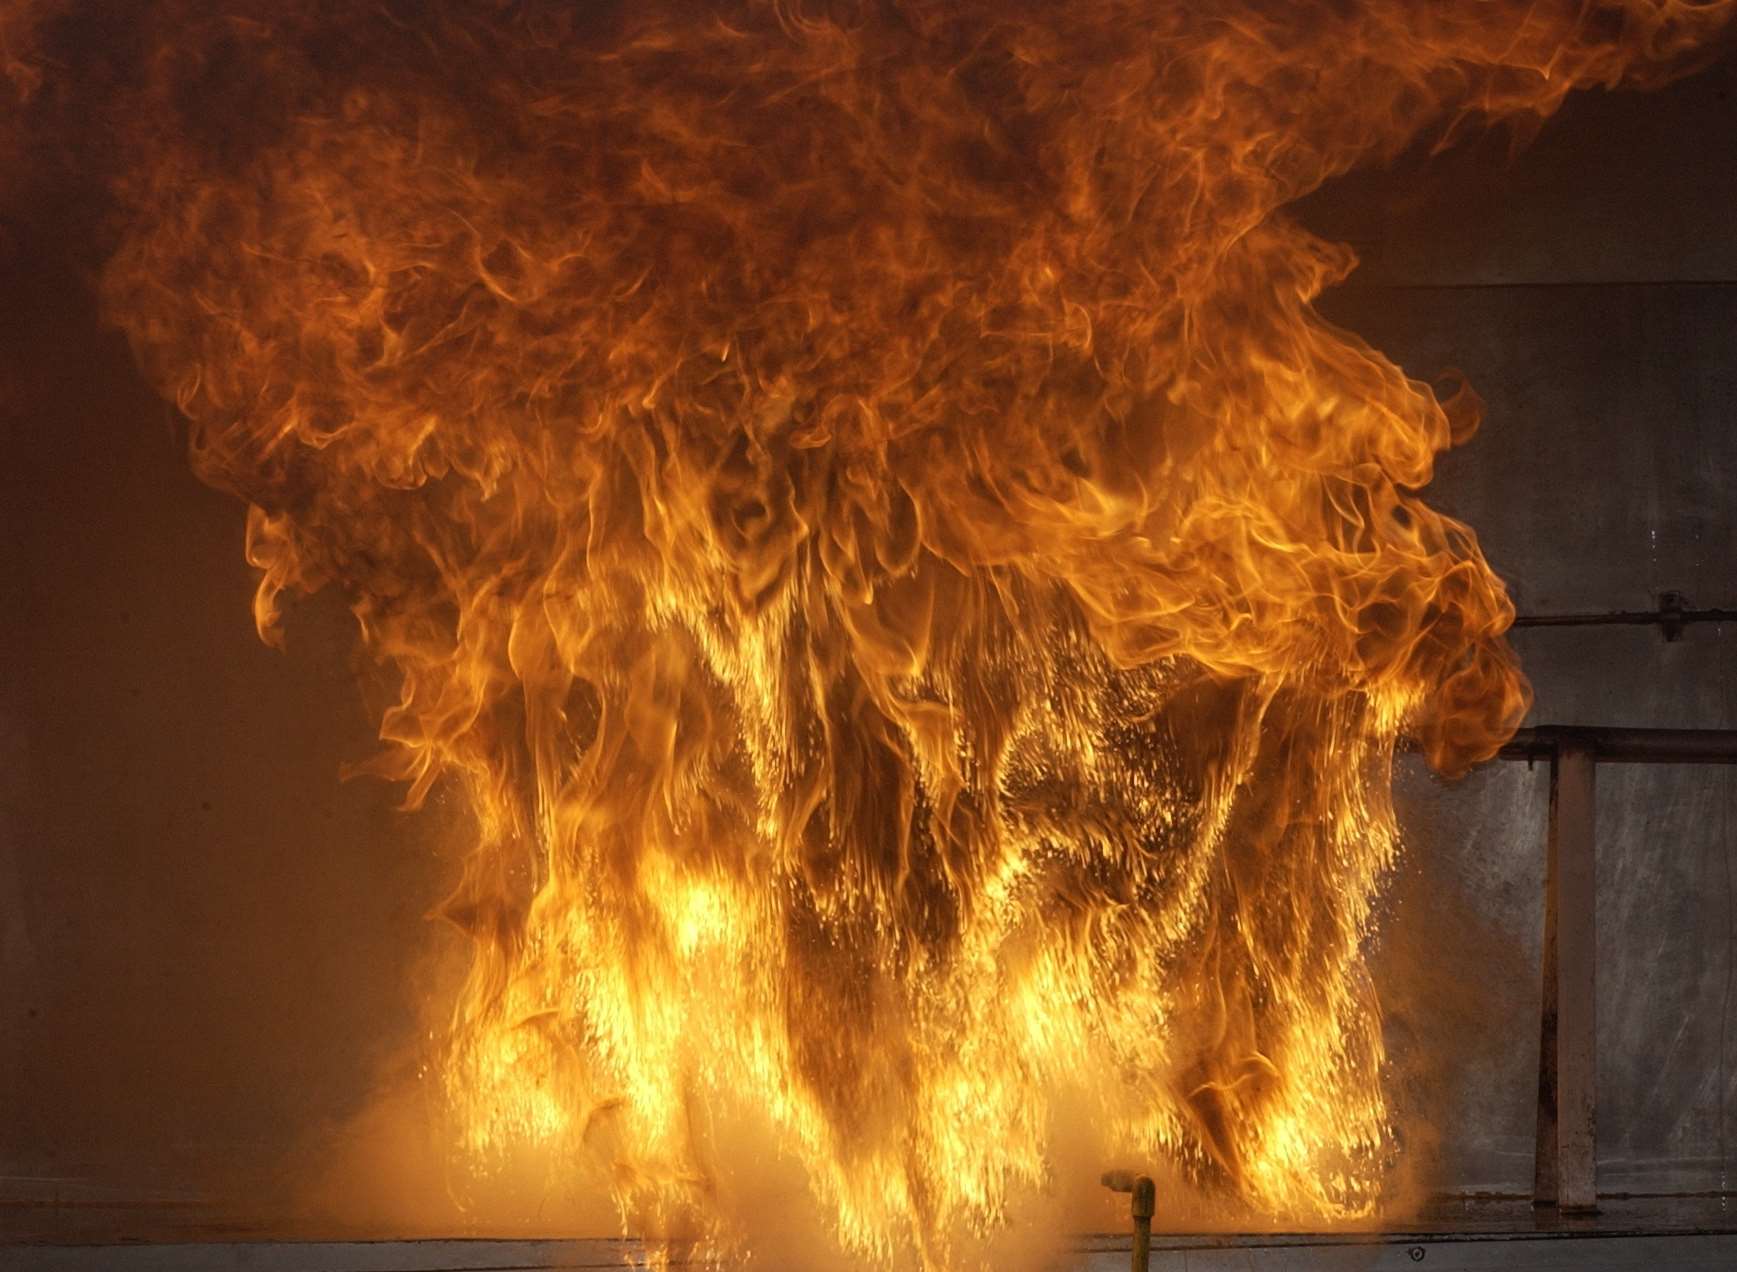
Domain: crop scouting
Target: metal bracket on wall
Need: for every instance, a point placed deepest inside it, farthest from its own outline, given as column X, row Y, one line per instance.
column 1565, row 1166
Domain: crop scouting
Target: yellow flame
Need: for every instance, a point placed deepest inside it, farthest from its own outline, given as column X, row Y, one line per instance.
column 857, row 498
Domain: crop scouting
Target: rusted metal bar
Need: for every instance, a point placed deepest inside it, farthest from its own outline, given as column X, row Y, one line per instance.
column 1565, row 1172
column 1626, row 746
column 1673, row 614
column 1627, row 618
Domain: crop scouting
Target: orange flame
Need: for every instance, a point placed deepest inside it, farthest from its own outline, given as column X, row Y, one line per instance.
column 857, row 497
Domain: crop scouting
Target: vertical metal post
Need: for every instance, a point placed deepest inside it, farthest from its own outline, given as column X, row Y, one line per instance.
column 1565, row 1172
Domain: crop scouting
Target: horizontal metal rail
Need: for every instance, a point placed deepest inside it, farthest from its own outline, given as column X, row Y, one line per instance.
column 1625, row 746
column 1631, row 618
column 1671, row 617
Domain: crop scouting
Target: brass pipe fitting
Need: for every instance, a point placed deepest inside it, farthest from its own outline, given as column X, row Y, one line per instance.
column 1143, row 1201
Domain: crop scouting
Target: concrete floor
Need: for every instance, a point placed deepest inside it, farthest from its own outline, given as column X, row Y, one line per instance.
column 1629, row 1235
column 1462, row 1254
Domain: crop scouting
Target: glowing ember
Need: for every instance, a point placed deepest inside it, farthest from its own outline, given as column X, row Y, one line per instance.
column 859, row 501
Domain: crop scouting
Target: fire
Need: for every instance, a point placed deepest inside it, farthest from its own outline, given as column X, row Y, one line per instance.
column 857, row 499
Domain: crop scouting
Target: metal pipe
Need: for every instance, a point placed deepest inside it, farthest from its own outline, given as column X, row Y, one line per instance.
column 1632, row 618
column 1672, row 615
column 1142, row 1204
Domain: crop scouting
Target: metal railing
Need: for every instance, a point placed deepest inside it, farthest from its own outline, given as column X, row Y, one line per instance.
column 1565, row 1170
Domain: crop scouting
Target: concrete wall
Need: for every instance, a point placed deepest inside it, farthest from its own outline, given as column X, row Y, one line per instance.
column 172, row 832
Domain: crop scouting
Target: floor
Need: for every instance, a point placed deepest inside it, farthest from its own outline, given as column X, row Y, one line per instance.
column 1456, row 1235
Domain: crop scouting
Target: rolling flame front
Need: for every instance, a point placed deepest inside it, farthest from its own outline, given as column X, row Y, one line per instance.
column 858, row 500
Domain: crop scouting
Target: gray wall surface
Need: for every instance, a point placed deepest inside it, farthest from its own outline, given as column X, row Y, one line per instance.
column 211, row 948
column 212, row 952
column 1588, row 290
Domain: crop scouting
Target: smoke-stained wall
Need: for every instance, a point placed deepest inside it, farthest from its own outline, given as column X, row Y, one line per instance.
column 211, row 946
